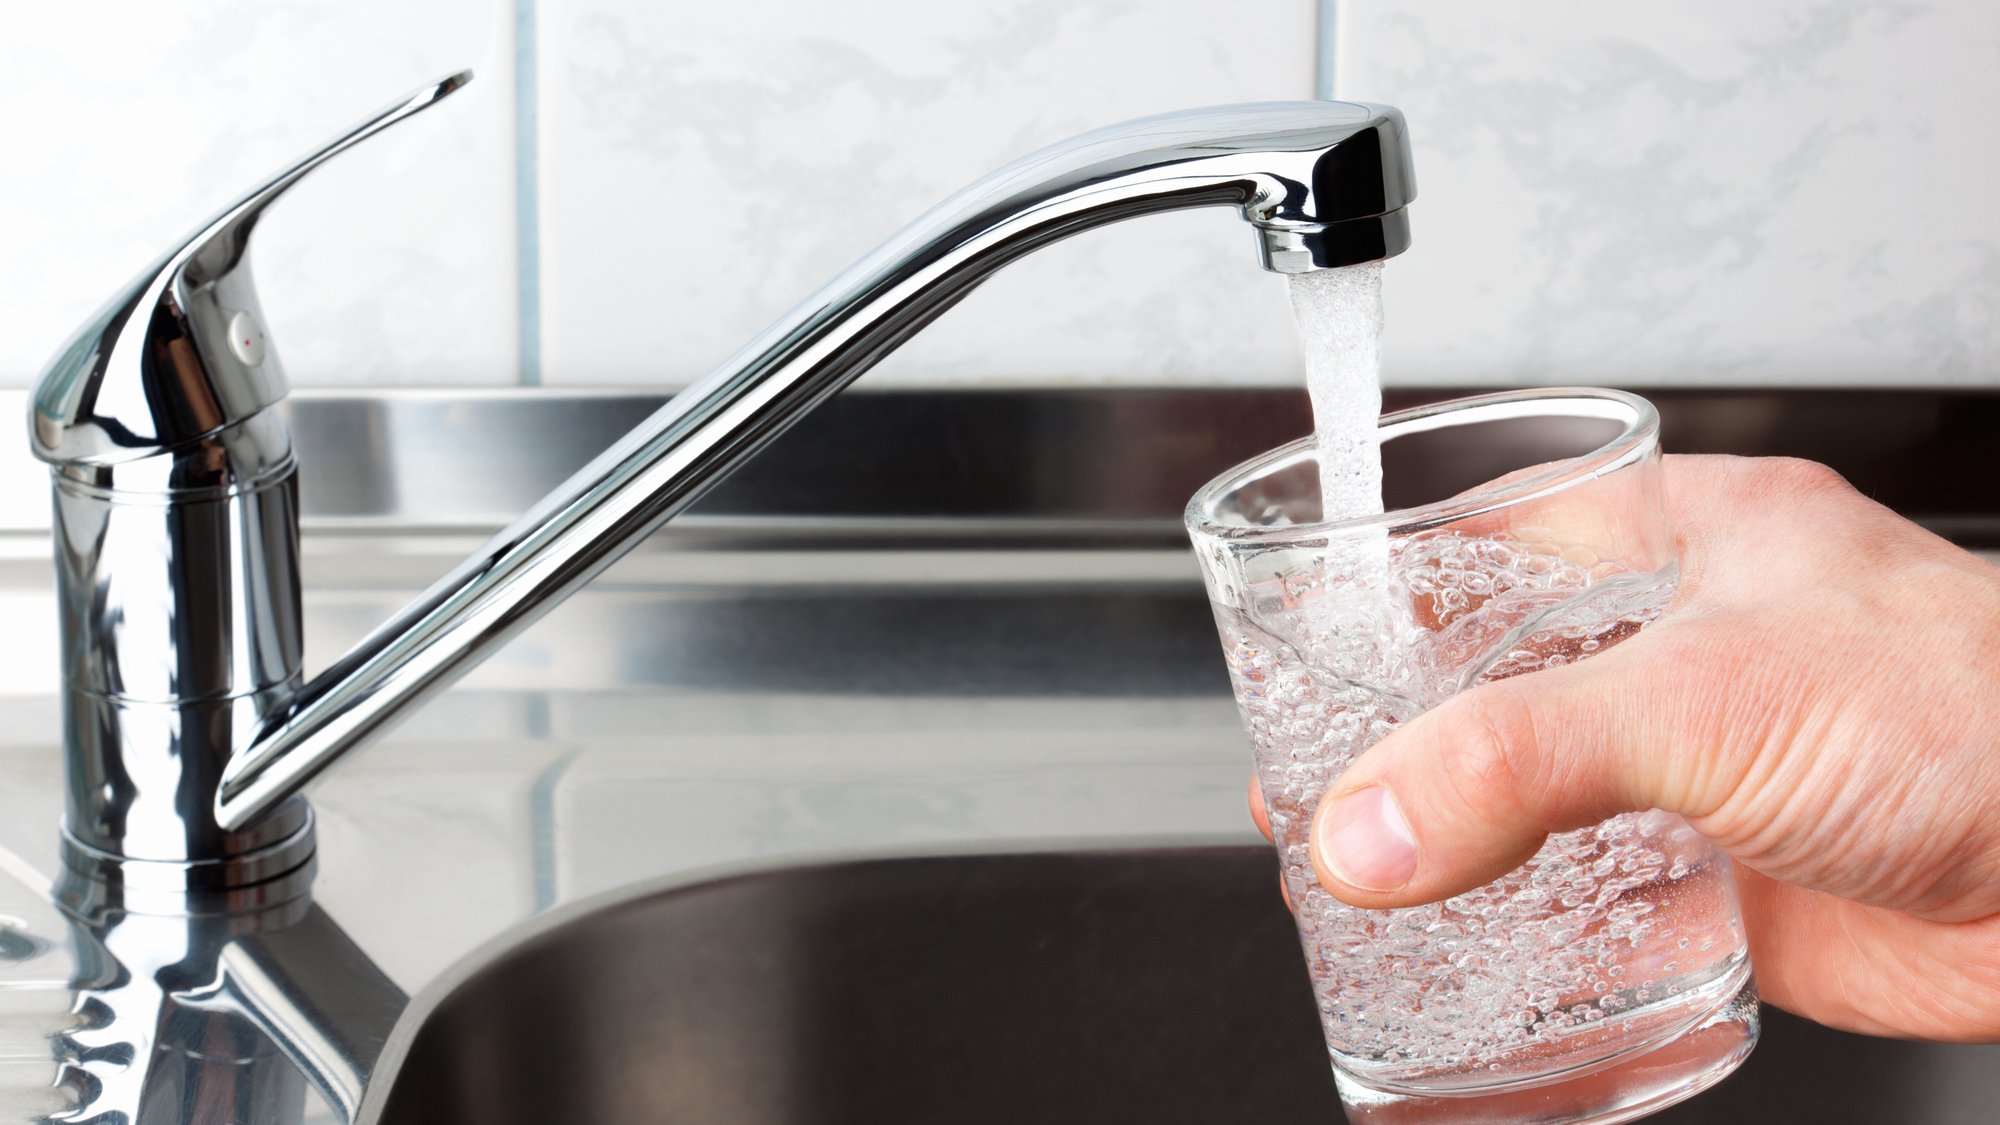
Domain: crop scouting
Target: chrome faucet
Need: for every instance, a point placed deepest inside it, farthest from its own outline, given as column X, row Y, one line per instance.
column 189, row 728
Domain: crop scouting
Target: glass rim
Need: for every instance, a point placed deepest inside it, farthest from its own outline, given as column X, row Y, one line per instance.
column 1639, row 437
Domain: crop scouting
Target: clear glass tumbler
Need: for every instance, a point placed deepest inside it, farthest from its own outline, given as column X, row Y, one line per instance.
column 1608, row 976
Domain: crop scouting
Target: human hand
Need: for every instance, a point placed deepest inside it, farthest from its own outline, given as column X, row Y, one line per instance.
column 1822, row 701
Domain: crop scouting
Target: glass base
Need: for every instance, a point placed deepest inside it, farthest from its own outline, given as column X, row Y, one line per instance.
column 1623, row 1088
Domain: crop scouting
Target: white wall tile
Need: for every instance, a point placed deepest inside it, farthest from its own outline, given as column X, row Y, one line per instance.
column 124, row 124
column 1707, row 192
column 704, row 170
column 1703, row 192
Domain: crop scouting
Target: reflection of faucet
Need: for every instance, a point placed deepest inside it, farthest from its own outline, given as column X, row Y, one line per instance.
column 189, row 727
column 221, row 1016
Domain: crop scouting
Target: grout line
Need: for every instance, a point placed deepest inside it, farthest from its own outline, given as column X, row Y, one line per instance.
column 527, row 198
column 1326, row 59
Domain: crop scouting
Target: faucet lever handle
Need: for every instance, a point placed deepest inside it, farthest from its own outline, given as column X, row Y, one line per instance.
column 218, row 246
column 179, row 353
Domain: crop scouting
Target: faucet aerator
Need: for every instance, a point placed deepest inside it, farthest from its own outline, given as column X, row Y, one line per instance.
column 1304, row 247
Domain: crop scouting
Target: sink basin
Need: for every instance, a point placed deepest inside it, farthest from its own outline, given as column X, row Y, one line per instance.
column 1154, row 986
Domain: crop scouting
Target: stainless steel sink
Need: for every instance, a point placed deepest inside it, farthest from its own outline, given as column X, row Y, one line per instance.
column 1155, row 986
column 890, row 635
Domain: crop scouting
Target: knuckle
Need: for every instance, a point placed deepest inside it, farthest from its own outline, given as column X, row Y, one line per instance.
column 1491, row 756
column 1779, row 499
column 1798, row 476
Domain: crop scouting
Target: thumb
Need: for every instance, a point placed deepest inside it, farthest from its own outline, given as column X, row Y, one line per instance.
column 1469, row 790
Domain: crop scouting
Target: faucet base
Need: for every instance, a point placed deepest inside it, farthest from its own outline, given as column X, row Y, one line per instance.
column 93, row 881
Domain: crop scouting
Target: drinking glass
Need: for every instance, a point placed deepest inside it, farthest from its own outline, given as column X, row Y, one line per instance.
column 1608, row 976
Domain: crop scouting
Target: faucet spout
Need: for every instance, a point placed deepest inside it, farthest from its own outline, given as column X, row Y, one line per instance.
column 188, row 723
column 1324, row 183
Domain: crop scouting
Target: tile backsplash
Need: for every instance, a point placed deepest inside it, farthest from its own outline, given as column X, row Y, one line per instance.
column 1705, row 193
column 124, row 124
column 1794, row 191
column 701, row 174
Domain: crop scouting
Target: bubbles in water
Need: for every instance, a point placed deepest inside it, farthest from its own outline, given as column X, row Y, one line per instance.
column 1596, row 927
column 1594, row 931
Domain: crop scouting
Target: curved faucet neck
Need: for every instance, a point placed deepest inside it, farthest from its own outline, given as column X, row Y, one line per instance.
column 1322, row 183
